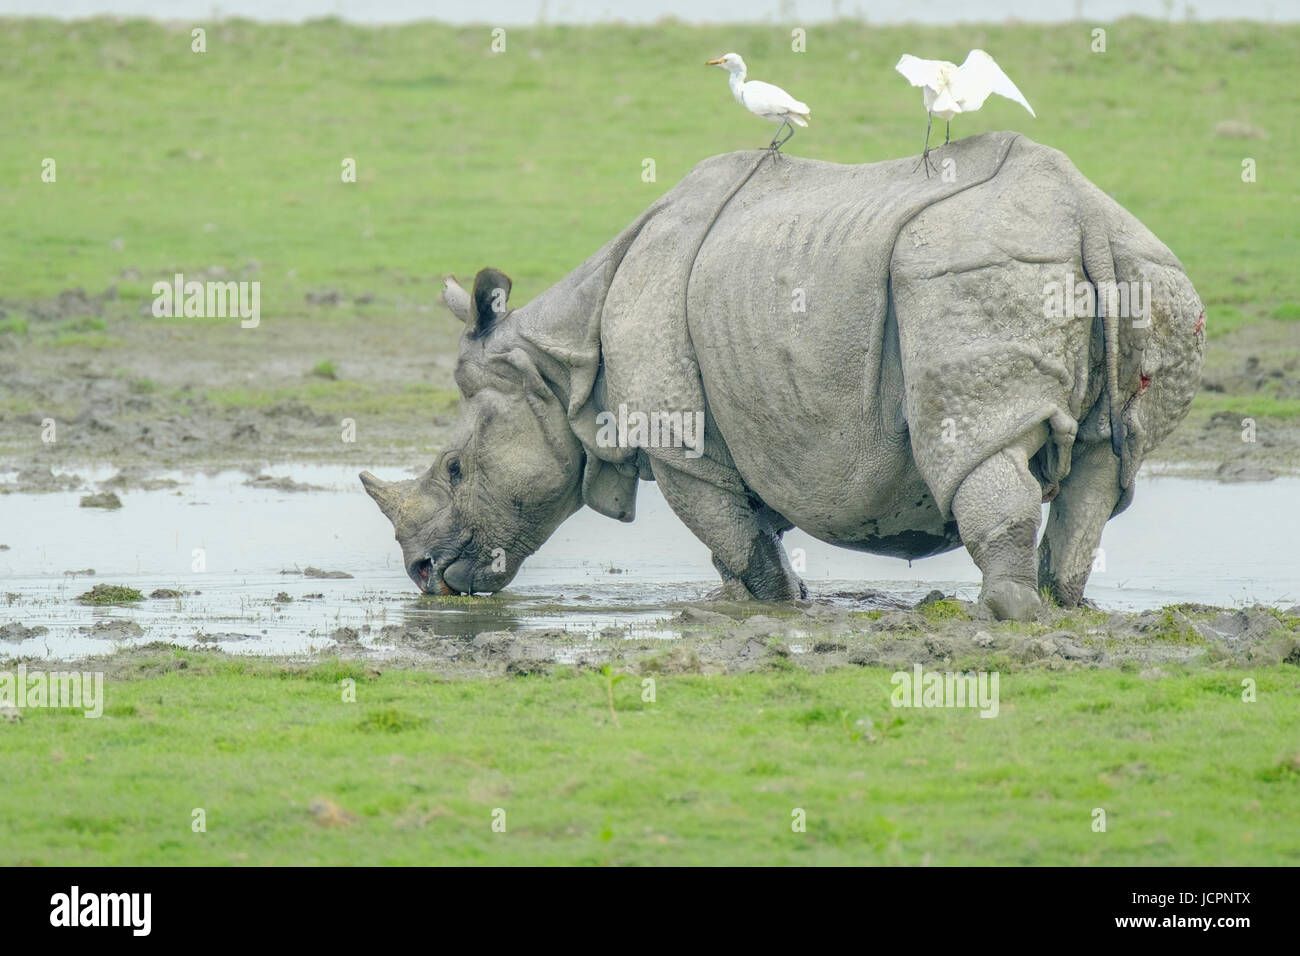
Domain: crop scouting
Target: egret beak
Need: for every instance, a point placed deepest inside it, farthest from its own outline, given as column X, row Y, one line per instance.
column 716, row 62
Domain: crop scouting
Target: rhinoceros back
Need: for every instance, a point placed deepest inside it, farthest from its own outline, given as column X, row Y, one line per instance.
column 863, row 336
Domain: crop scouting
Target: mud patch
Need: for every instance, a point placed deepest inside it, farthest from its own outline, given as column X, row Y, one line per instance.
column 815, row 638
column 279, row 484
column 326, row 575
column 15, row 631
column 39, row 479
column 103, row 499
column 1243, row 469
column 115, row 630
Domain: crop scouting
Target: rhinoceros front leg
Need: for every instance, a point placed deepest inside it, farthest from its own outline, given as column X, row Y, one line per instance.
column 1075, row 522
column 745, row 541
column 998, row 507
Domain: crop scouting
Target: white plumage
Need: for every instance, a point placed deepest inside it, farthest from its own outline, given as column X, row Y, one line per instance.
column 949, row 89
column 763, row 99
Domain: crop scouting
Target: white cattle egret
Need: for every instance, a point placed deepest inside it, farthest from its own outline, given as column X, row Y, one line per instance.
column 764, row 99
column 950, row 89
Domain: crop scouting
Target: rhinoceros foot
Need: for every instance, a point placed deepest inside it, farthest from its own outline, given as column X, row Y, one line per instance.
column 1011, row 600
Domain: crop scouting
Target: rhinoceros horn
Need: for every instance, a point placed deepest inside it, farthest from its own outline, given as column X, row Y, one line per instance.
column 387, row 494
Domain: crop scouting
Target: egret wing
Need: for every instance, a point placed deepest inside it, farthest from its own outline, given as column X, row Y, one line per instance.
column 920, row 72
column 765, row 98
column 978, row 77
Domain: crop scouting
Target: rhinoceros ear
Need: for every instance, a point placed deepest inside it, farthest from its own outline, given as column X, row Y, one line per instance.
column 608, row 489
column 491, row 290
column 455, row 298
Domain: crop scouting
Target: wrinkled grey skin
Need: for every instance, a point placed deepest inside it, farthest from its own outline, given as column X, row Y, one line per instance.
column 874, row 358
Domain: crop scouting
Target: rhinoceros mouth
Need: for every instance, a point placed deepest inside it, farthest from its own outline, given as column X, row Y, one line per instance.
column 458, row 576
column 428, row 576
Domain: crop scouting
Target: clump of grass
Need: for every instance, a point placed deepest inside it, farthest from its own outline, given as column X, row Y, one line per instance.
column 389, row 720
column 1285, row 771
column 326, row 369
column 86, row 323
column 110, row 594
column 88, row 340
column 1171, row 631
column 467, row 600
column 16, row 325
column 818, row 715
column 335, row 670
column 945, row 610
column 1290, row 621
column 875, row 614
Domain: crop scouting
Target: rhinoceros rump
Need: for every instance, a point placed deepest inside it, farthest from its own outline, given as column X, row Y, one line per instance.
column 875, row 358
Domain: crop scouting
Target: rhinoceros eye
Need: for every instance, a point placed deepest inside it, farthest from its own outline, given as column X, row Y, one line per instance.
column 453, row 471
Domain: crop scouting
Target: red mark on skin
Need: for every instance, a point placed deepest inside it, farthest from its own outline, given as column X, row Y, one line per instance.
column 1146, row 380
column 1200, row 324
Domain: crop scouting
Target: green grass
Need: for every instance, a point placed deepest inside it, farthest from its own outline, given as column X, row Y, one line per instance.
column 1250, row 406
column 110, row 594
column 342, row 395
column 943, row 610
column 532, row 159
column 709, row 772
column 325, row 369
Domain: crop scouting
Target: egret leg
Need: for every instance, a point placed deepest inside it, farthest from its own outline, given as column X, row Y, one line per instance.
column 772, row 145
column 947, row 132
column 790, row 132
column 925, row 153
column 775, row 146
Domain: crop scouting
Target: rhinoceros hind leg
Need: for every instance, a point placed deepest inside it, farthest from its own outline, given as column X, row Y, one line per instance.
column 1078, row 514
column 745, row 540
column 998, row 507
column 731, row 588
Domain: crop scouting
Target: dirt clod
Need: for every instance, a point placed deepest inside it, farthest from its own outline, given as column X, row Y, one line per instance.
column 103, row 499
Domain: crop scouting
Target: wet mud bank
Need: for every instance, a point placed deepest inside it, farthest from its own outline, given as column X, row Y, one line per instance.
column 713, row 638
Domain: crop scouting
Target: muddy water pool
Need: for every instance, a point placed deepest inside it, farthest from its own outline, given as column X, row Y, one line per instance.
column 227, row 546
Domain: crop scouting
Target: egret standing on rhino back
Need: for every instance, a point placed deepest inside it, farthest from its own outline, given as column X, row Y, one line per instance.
column 763, row 99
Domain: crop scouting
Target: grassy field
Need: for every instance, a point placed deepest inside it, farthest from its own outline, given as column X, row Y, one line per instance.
column 712, row 771
column 532, row 159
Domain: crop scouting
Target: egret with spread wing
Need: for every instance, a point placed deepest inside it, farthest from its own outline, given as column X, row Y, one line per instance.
column 764, row 99
column 949, row 89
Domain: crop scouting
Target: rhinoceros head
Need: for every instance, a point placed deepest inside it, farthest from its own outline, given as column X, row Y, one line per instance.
column 510, row 473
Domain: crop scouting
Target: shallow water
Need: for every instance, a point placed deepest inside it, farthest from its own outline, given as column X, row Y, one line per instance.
column 1182, row 540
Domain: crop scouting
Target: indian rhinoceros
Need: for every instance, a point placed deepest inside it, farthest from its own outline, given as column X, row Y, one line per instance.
column 894, row 364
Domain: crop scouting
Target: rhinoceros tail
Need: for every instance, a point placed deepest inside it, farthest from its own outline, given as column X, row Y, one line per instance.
column 1099, row 263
